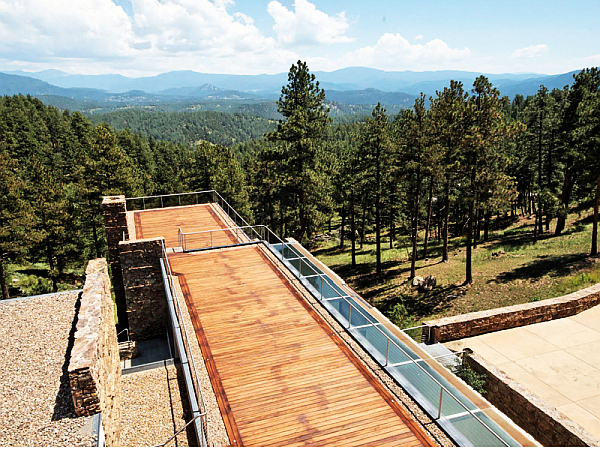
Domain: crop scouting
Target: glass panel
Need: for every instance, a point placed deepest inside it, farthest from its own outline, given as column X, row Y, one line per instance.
column 477, row 435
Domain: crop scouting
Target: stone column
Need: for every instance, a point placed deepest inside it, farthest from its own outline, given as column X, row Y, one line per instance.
column 144, row 288
column 114, row 210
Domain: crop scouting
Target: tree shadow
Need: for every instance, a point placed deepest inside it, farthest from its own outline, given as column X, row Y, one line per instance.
column 553, row 266
column 63, row 403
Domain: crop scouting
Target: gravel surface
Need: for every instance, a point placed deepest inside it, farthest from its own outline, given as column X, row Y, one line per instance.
column 152, row 409
column 36, row 408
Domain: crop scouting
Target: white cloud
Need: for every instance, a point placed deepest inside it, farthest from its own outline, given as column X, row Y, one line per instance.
column 306, row 25
column 418, row 37
column 97, row 36
column 394, row 52
column 33, row 30
column 530, row 52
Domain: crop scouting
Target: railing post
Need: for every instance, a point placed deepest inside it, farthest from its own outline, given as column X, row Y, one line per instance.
column 179, row 198
column 161, row 203
column 440, row 407
column 321, row 276
column 349, row 314
column 144, row 203
column 387, row 352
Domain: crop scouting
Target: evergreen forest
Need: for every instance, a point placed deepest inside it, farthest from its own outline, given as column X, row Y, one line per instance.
column 455, row 165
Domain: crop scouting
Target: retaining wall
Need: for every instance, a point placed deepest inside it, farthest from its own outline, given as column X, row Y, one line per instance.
column 473, row 324
column 94, row 367
column 548, row 426
column 144, row 290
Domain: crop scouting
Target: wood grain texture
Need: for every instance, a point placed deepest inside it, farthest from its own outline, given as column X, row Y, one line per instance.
column 166, row 222
column 284, row 378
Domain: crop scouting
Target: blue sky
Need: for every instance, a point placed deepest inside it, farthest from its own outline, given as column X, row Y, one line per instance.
column 146, row 37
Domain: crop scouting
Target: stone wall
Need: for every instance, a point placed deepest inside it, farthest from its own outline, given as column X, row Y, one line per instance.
column 94, row 367
column 144, row 290
column 467, row 325
column 114, row 211
column 548, row 426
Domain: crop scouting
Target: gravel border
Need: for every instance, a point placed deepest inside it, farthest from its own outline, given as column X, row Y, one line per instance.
column 36, row 408
column 152, row 408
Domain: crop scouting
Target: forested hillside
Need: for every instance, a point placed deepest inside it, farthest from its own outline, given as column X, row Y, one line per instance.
column 55, row 167
column 188, row 127
column 453, row 166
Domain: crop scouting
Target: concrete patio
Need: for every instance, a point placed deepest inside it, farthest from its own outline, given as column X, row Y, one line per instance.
column 558, row 360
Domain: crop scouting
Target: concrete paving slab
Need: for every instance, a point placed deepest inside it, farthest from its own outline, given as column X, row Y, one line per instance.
column 590, row 353
column 564, row 333
column 589, row 318
column 517, row 343
column 565, row 373
column 486, row 351
column 581, row 416
column 592, row 405
column 533, row 384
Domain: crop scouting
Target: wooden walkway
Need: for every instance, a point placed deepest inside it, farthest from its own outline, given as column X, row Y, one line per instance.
column 167, row 221
column 281, row 375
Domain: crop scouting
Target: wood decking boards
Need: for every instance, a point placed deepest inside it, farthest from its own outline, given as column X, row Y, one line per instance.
column 286, row 379
column 282, row 377
column 166, row 223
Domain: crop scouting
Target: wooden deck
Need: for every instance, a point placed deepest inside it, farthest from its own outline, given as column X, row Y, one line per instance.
column 281, row 375
column 167, row 221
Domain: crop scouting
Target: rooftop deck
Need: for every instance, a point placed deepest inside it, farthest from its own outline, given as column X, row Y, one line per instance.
column 281, row 375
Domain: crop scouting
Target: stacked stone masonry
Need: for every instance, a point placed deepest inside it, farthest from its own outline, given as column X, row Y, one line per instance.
column 94, row 366
column 468, row 325
column 548, row 426
column 144, row 290
column 114, row 210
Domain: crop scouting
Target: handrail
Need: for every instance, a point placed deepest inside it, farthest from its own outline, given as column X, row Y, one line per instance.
column 202, row 415
column 269, row 235
column 388, row 341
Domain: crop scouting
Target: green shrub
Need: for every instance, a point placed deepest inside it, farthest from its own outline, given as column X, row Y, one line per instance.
column 472, row 378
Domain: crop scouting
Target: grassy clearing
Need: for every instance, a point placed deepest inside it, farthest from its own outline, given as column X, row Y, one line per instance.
column 33, row 279
column 525, row 272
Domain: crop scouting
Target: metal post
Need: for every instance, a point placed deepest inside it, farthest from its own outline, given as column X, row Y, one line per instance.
column 321, row 276
column 179, row 197
column 387, row 352
column 161, row 203
column 144, row 203
column 349, row 314
column 440, row 408
column 300, row 266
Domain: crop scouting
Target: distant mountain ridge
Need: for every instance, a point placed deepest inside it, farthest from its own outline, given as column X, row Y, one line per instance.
column 350, row 86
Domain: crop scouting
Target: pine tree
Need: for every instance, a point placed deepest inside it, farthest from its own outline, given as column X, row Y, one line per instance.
column 306, row 118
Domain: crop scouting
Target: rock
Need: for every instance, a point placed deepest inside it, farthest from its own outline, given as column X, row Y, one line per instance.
column 428, row 283
column 417, row 281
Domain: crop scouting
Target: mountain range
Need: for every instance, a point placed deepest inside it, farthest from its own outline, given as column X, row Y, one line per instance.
column 350, row 86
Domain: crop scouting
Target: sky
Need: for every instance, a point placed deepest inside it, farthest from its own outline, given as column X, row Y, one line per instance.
column 147, row 37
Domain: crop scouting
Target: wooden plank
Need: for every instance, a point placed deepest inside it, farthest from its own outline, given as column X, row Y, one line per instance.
column 283, row 374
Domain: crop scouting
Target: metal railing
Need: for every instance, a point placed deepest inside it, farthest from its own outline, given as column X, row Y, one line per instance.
column 206, row 238
column 261, row 233
column 170, row 200
column 197, row 403
column 347, row 323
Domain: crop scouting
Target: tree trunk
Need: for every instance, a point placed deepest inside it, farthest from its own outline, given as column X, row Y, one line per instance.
column 471, row 213
column 3, row 284
column 486, row 230
column 342, row 228
column 353, row 229
column 446, row 220
column 429, row 206
column 362, row 226
column 594, row 250
column 378, row 212
column 392, row 228
column 415, row 226
column 565, row 196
